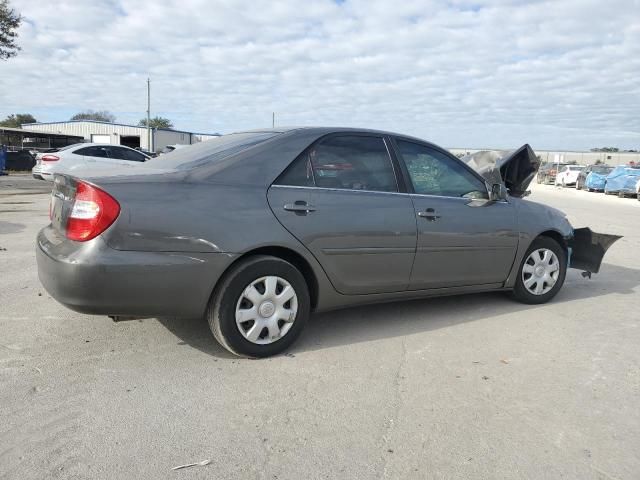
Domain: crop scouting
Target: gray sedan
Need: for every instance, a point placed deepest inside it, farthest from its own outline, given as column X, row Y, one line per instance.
column 256, row 230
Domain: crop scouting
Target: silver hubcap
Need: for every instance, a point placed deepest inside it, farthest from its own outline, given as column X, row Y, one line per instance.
column 266, row 310
column 540, row 271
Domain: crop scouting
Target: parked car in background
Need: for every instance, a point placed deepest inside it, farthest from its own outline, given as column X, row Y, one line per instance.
column 547, row 172
column 593, row 177
column 80, row 155
column 255, row 230
column 623, row 180
column 568, row 175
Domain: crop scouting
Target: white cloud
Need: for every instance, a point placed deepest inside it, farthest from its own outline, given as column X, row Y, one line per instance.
column 557, row 74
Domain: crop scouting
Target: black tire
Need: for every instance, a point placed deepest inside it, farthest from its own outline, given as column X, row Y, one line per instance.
column 621, row 195
column 520, row 292
column 578, row 187
column 222, row 305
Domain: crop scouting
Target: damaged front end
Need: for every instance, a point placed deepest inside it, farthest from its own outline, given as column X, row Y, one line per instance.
column 587, row 249
column 515, row 169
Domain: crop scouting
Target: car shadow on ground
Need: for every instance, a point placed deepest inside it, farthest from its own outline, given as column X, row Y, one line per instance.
column 375, row 322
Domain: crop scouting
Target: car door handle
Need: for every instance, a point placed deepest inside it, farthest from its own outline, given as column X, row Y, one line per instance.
column 429, row 214
column 300, row 207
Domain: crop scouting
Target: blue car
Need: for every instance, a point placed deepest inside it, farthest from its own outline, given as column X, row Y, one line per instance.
column 623, row 180
column 593, row 177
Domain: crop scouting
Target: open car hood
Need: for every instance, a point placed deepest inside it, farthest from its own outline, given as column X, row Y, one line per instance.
column 515, row 169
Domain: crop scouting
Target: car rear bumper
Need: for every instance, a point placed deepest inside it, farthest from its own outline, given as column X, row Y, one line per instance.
column 91, row 277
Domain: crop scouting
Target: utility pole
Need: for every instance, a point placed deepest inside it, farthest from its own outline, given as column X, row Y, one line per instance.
column 149, row 146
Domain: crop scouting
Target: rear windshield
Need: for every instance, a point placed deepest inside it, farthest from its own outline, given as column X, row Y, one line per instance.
column 577, row 167
column 209, row 151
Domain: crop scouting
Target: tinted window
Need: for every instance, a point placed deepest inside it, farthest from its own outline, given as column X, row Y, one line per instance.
column 126, row 154
column 210, row 151
column 100, row 152
column 354, row 163
column 117, row 153
column 298, row 174
column 434, row 173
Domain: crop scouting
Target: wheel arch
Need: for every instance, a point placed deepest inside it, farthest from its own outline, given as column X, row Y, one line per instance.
column 554, row 235
column 289, row 255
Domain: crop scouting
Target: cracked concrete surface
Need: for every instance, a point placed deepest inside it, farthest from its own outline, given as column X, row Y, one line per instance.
column 472, row 387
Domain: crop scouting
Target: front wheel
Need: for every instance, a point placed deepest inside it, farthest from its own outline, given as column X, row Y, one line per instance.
column 260, row 307
column 578, row 185
column 542, row 272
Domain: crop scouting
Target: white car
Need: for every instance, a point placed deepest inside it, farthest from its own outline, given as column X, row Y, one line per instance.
column 83, row 155
column 568, row 175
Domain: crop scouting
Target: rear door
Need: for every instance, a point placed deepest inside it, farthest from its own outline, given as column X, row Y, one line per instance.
column 341, row 199
column 463, row 239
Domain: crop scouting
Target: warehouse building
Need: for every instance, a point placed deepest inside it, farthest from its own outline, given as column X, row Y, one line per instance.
column 120, row 134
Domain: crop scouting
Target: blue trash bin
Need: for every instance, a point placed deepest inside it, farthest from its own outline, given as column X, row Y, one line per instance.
column 3, row 159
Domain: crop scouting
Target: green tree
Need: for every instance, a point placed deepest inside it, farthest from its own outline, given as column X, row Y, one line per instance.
column 101, row 116
column 156, row 122
column 16, row 120
column 9, row 22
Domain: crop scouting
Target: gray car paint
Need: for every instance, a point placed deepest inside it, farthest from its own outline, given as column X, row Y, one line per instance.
column 179, row 231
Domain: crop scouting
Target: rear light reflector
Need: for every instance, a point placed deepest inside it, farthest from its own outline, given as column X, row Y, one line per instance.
column 50, row 158
column 93, row 211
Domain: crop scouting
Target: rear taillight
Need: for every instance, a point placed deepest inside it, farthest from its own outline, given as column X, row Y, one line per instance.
column 50, row 158
column 92, row 212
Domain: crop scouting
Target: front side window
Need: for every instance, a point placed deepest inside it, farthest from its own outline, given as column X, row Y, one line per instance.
column 434, row 173
column 131, row 155
column 100, row 152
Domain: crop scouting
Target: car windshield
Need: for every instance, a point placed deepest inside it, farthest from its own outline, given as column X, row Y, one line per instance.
column 209, row 151
column 601, row 169
column 576, row 167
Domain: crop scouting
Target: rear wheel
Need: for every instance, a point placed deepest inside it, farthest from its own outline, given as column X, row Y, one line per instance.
column 542, row 272
column 260, row 307
column 578, row 184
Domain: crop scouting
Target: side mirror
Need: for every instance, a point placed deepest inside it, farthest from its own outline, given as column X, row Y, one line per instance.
column 498, row 192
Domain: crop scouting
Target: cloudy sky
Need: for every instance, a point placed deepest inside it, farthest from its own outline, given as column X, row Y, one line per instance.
column 497, row 73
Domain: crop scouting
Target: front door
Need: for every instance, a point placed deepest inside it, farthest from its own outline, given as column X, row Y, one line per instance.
column 463, row 238
column 340, row 199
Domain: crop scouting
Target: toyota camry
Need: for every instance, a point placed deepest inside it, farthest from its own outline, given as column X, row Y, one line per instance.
column 256, row 230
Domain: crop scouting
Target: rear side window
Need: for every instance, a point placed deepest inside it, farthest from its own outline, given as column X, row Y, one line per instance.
column 298, row 174
column 353, row 163
column 347, row 162
column 210, row 151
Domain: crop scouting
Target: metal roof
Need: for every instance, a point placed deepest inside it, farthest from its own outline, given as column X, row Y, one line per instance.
column 117, row 124
column 37, row 133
